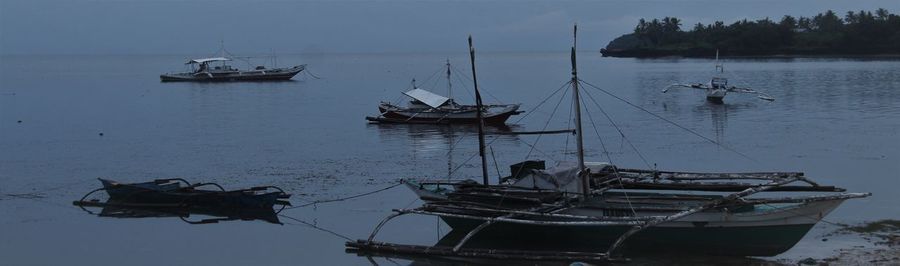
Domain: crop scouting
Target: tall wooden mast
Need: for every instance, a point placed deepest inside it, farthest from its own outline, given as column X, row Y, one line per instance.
column 584, row 176
column 478, row 105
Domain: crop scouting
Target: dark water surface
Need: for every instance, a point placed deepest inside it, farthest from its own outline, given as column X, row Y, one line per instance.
column 838, row 120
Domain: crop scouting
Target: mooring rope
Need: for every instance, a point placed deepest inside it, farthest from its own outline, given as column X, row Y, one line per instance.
column 346, row 198
column 308, row 72
column 316, row 227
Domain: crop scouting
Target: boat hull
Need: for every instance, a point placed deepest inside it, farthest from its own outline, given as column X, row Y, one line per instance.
column 279, row 74
column 726, row 241
column 150, row 193
column 755, row 233
column 393, row 115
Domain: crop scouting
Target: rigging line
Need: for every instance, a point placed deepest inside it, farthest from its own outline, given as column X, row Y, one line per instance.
column 615, row 169
column 432, row 76
column 533, row 148
column 496, row 166
column 617, row 129
column 561, row 98
column 346, row 198
column 316, row 227
column 466, row 87
column 671, row 122
column 488, row 145
column 470, row 80
column 517, row 121
column 568, row 125
column 543, row 101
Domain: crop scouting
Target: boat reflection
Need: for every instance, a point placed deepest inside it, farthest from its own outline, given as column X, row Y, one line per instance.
column 193, row 214
column 440, row 137
column 718, row 113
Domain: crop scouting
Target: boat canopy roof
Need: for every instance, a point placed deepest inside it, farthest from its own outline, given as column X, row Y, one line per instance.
column 427, row 97
column 205, row 60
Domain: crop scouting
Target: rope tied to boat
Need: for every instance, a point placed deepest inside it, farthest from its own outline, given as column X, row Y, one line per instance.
column 348, row 197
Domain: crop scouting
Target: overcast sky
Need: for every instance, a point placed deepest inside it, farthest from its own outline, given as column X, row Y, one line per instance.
column 261, row 26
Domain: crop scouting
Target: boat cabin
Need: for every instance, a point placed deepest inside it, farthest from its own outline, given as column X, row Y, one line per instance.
column 719, row 83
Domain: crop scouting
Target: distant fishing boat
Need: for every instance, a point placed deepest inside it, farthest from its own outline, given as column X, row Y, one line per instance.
column 718, row 87
column 204, row 69
column 429, row 108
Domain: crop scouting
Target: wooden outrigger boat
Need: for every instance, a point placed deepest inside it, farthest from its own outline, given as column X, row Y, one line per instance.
column 203, row 70
column 176, row 197
column 172, row 192
column 718, row 87
column 429, row 108
column 597, row 211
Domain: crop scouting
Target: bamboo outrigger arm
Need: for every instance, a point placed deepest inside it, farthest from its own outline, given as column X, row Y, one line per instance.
column 556, row 215
column 381, row 224
column 472, row 233
column 532, row 222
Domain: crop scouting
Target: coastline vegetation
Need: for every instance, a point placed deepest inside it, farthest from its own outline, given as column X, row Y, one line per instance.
column 855, row 33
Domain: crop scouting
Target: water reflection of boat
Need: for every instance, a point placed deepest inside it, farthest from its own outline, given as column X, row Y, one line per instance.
column 169, row 198
column 124, row 209
column 606, row 211
column 429, row 108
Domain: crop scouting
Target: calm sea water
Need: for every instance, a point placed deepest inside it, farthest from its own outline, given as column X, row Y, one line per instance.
column 838, row 120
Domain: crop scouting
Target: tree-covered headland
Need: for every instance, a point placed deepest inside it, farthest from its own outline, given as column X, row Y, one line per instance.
column 854, row 33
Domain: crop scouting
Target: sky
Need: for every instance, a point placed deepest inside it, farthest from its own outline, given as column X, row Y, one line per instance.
column 264, row 26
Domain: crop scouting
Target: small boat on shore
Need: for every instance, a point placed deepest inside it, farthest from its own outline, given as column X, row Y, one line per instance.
column 429, row 108
column 204, row 70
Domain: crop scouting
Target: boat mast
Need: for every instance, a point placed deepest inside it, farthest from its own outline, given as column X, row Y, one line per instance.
column 449, row 83
column 479, row 116
column 719, row 66
column 585, row 182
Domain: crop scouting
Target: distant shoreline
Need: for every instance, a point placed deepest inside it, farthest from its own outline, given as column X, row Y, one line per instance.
column 861, row 34
column 651, row 54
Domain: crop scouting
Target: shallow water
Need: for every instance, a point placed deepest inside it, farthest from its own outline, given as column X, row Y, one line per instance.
column 838, row 120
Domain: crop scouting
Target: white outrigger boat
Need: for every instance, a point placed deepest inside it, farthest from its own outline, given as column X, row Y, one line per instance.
column 203, row 70
column 597, row 211
column 718, row 87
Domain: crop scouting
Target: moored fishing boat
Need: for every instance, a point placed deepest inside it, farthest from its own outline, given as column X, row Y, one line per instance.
column 718, row 87
column 178, row 192
column 596, row 210
column 204, row 70
column 426, row 107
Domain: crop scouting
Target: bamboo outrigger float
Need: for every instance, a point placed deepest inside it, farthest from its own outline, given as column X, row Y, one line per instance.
column 596, row 211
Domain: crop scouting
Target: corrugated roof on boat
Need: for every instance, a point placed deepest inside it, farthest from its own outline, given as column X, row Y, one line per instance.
column 204, row 60
column 427, row 97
